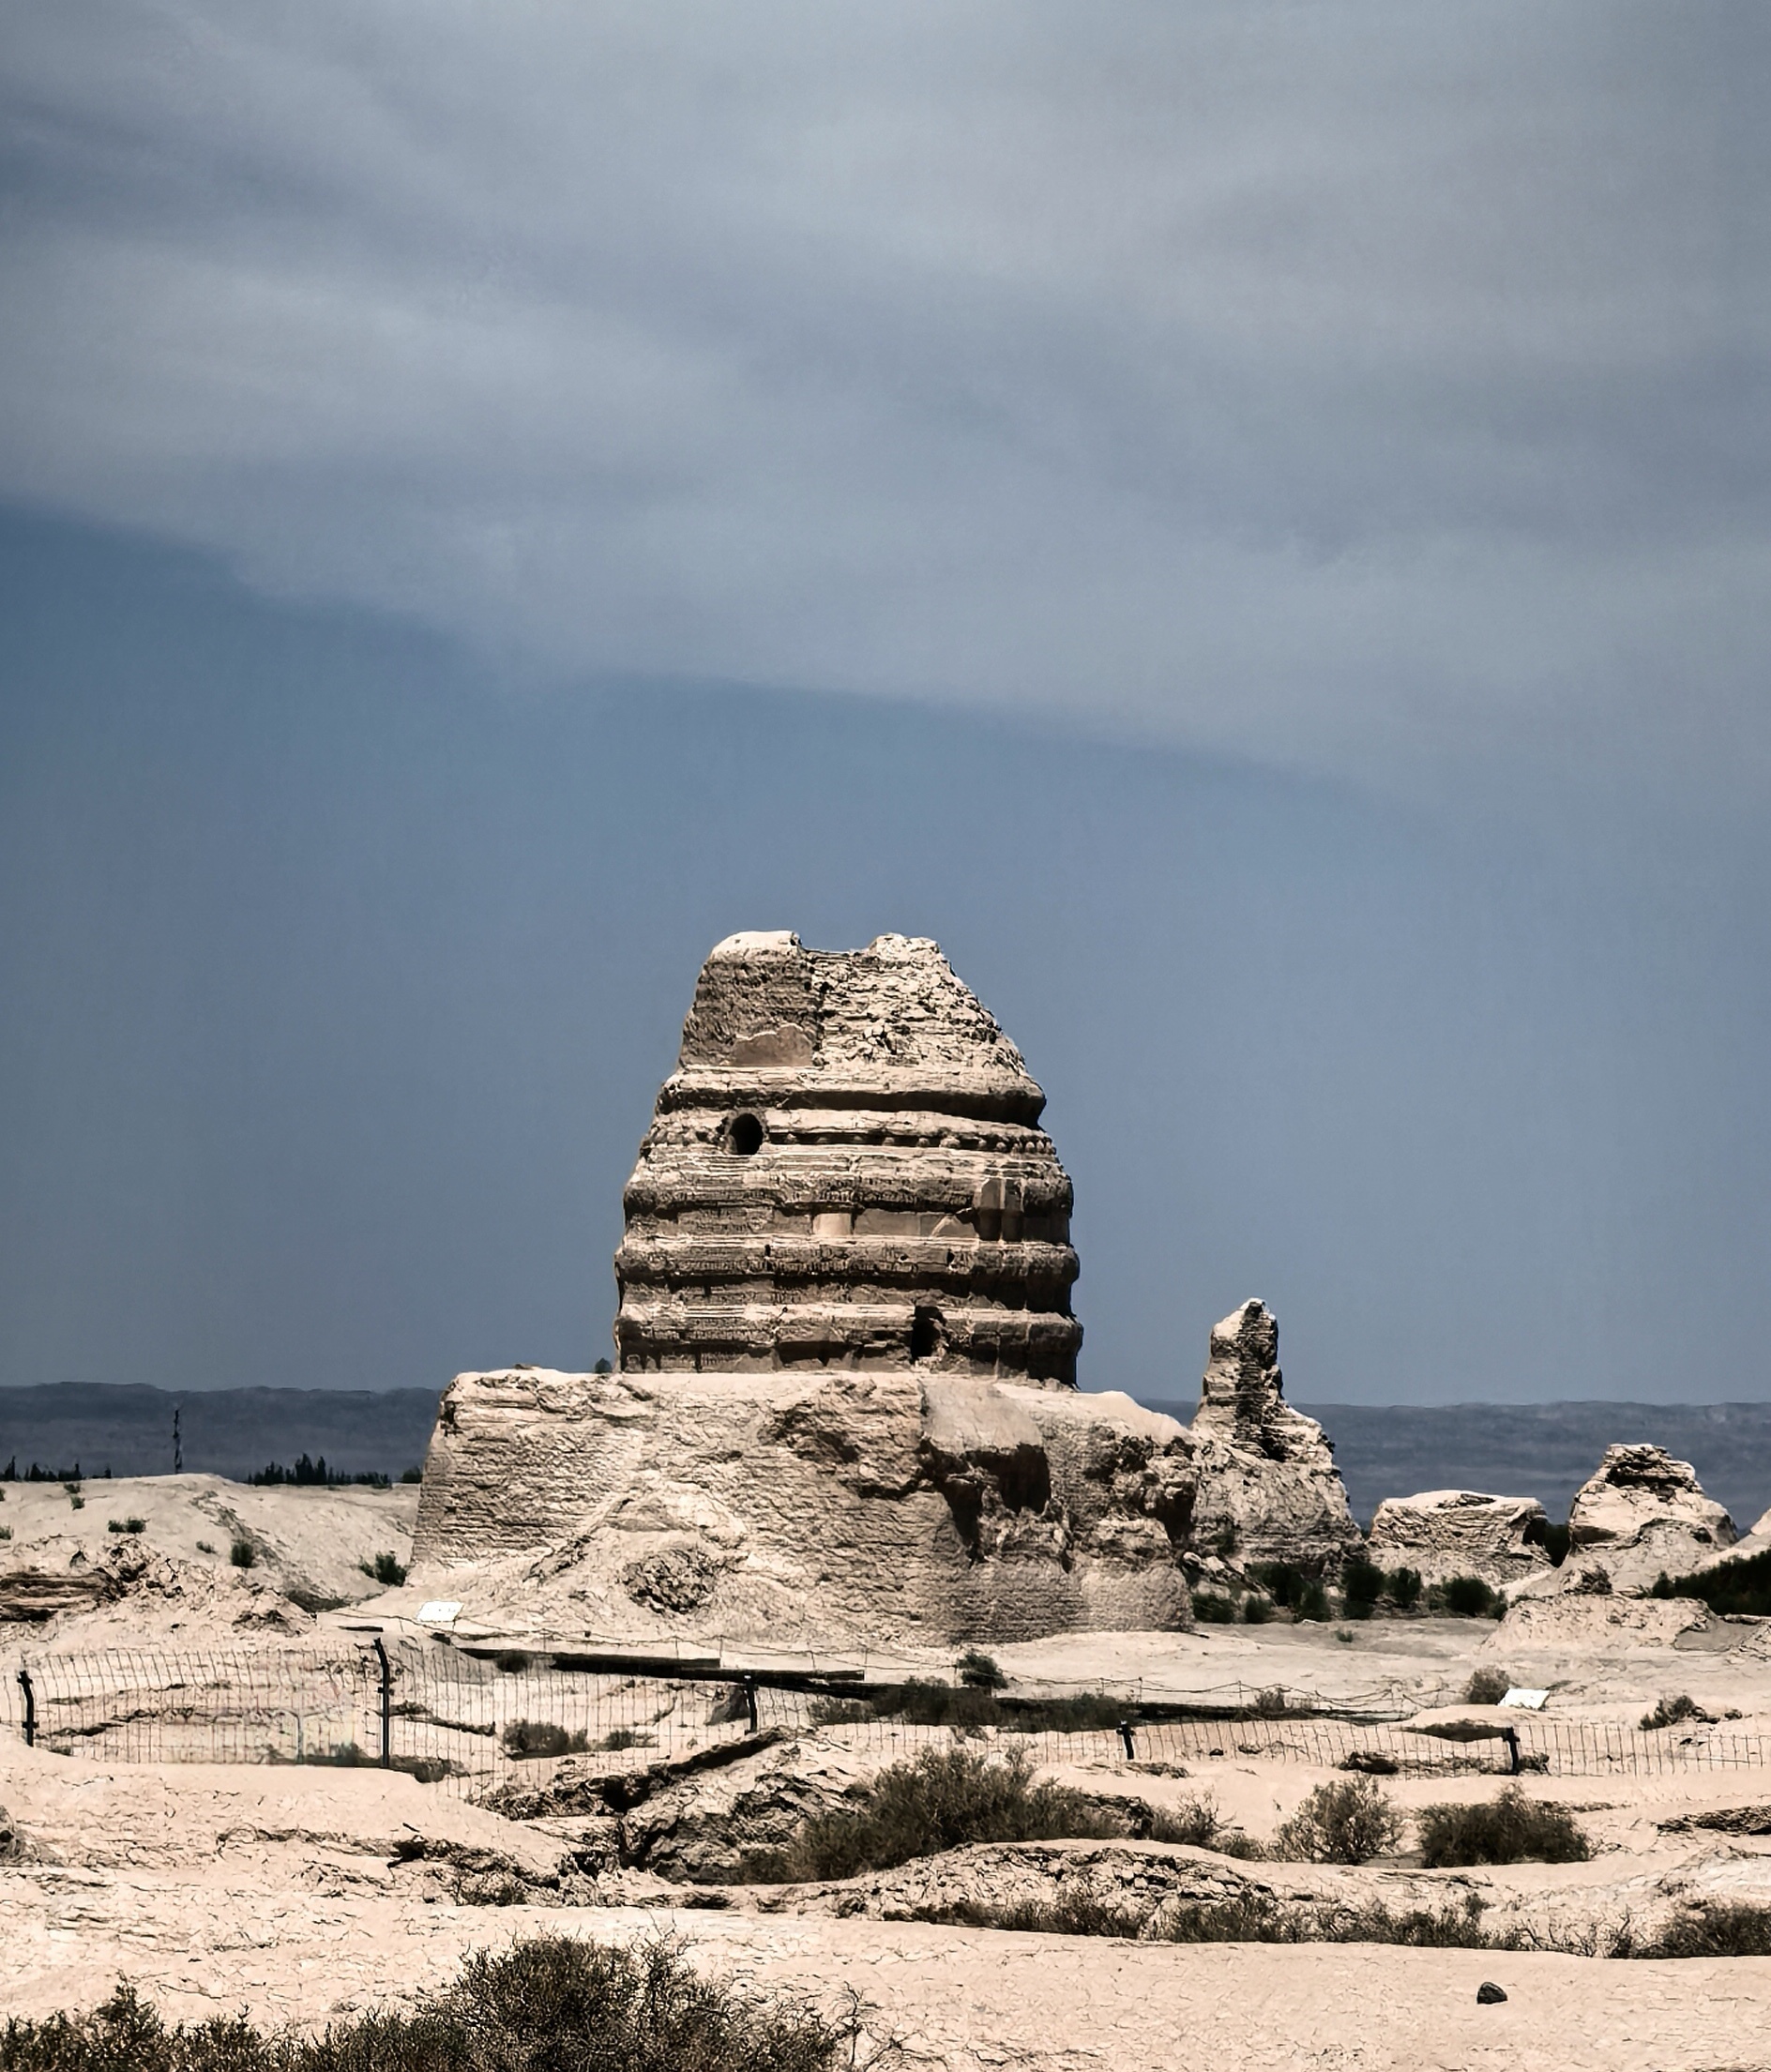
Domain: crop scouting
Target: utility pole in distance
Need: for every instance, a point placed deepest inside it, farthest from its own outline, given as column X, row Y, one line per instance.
column 178, row 1444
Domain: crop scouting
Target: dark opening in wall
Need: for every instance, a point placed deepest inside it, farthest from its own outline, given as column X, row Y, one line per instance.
column 925, row 1334
column 744, row 1135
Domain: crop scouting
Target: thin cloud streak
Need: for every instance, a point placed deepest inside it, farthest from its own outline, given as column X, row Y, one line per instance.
column 1355, row 385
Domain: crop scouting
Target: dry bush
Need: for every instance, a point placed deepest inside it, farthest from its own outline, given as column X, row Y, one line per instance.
column 1670, row 1711
column 1487, row 1687
column 1722, row 1929
column 551, row 2005
column 943, row 1800
column 1198, row 1823
column 1508, row 1829
column 1341, row 1823
column 527, row 1738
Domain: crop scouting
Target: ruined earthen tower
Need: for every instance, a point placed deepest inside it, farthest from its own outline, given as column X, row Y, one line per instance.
column 846, row 1169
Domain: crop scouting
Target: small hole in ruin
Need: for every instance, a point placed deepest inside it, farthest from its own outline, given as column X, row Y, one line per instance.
column 746, row 1135
column 925, row 1335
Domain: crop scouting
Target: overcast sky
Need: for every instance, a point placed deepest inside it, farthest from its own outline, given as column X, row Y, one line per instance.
column 1248, row 522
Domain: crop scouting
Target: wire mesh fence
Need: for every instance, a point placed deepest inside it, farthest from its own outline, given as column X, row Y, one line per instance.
column 469, row 1722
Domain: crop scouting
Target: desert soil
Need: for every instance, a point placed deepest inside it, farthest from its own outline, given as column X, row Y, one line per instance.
column 301, row 1893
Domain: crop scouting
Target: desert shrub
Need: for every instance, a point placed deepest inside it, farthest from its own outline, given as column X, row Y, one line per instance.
column 1198, row 1823
column 205, row 1547
column 618, row 1738
column 1404, row 1588
column 527, row 1738
column 546, row 2004
column 1211, row 1609
column 825, row 1711
column 1508, row 1829
column 243, row 1554
column 1670, row 1712
column 929, row 1704
column 979, row 1672
column 1256, row 1917
column 1256, row 1611
column 385, row 1570
column 1282, row 1581
column 1361, row 1586
column 1077, row 1910
column 1466, row 1598
column 6, row 1532
column 1740, row 1588
column 1369, row 1763
column 1341, row 1823
column 943, row 1799
column 1250, row 1917
column 511, row 1661
column 1487, row 1687
column 1313, row 1603
column 77, row 1502
column 1722, row 1928
column 125, row 1525
column 411, row 1475
column 1554, row 1540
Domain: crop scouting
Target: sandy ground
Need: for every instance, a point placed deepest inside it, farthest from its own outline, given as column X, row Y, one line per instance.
column 309, row 1543
column 301, row 1894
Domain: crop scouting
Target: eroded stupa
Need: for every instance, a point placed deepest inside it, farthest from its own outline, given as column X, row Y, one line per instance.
column 844, row 1407
column 846, row 1169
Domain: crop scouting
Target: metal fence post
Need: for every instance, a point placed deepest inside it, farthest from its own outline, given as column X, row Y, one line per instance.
column 30, row 1708
column 387, row 1706
column 1125, row 1735
column 749, row 1701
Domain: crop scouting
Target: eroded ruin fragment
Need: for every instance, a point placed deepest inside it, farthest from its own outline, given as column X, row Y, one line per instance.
column 846, row 1169
column 1268, row 1488
column 1445, row 1533
column 1642, row 1514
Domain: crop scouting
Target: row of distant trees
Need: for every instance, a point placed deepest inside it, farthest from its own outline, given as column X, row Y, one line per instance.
column 305, row 1474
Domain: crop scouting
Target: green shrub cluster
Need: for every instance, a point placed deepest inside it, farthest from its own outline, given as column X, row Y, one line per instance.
column 926, row 1703
column 125, row 1525
column 1720, row 1928
column 527, row 1738
column 1507, row 1829
column 1672, row 1712
column 1466, row 1598
column 1199, row 1824
column 943, row 1799
column 549, row 2004
column 1341, row 1823
column 1737, row 1589
column 1487, row 1687
column 384, row 1569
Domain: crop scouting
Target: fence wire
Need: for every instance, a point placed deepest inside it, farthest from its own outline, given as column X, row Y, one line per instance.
column 469, row 1722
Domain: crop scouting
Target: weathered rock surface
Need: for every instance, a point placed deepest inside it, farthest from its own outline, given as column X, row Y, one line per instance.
column 1267, row 1486
column 59, row 1576
column 1445, row 1532
column 878, row 1507
column 846, row 1169
column 1642, row 1513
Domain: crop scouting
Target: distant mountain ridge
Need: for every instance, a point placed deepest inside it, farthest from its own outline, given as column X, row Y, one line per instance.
column 128, row 1427
column 1545, row 1450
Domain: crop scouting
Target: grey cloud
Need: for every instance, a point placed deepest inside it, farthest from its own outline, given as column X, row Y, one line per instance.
column 1364, row 385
